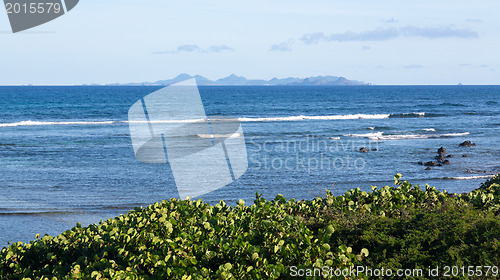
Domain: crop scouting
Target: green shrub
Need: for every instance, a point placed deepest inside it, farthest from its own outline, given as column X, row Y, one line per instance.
column 173, row 239
column 403, row 226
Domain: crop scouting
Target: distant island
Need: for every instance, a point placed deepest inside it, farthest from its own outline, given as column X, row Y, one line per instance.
column 234, row 80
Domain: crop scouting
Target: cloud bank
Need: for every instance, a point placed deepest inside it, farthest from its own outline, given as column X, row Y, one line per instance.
column 384, row 34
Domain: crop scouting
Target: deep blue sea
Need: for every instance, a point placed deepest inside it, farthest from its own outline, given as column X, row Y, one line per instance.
column 66, row 154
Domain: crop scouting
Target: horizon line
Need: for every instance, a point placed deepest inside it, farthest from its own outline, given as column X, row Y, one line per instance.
column 223, row 85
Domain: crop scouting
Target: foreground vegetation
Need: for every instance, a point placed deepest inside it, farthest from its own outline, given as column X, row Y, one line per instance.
column 402, row 226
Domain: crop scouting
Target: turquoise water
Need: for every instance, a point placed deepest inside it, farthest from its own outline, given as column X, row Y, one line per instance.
column 66, row 154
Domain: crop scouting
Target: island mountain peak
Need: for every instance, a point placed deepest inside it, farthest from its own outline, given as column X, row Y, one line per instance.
column 235, row 80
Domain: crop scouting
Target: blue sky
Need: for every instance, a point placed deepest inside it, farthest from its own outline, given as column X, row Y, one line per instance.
column 381, row 42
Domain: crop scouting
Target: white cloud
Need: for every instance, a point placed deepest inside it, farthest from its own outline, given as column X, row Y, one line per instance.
column 196, row 48
column 473, row 20
column 413, row 66
column 283, row 47
column 218, row 49
column 390, row 20
column 384, row 34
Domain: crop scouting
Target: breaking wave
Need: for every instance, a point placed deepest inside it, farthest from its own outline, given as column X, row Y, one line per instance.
column 382, row 136
column 243, row 119
column 232, row 135
column 468, row 177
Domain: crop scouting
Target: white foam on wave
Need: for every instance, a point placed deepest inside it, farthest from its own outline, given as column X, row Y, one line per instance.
column 168, row 121
column 469, row 177
column 34, row 123
column 371, row 128
column 416, row 113
column 332, row 117
column 40, row 123
column 335, row 138
column 246, row 119
column 381, row 136
column 231, row 135
column 454, row 134
column 366, row 135
column 428, row 129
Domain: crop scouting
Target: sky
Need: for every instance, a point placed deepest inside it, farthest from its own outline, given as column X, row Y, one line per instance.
column 396, row 42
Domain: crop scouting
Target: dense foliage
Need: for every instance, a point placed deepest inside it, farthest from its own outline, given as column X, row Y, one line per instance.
column 402, row 226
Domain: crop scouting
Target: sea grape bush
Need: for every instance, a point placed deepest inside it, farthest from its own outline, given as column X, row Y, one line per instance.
column 402, row 226
column 408, row 227
column 183, row 240
column 403, row 196
column 487, row 196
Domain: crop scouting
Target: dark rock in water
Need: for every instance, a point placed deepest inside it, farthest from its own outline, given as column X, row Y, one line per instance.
column 375, row 149
column 467, row 143
column 428, row 168
column 464, row 155
column 420, row 163
column 364, row 150
column 440, row 157
column 442, row 151
column 440, row 164
column 449, row 156
column 430, row 163
column 446, row 162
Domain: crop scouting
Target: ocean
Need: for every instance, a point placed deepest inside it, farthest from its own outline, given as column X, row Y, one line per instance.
column 66, row 154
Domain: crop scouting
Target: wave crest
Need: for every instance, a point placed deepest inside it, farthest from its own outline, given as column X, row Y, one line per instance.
column 381, row 136
column 35, row 123
column 468, row 177
column 243, row 119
